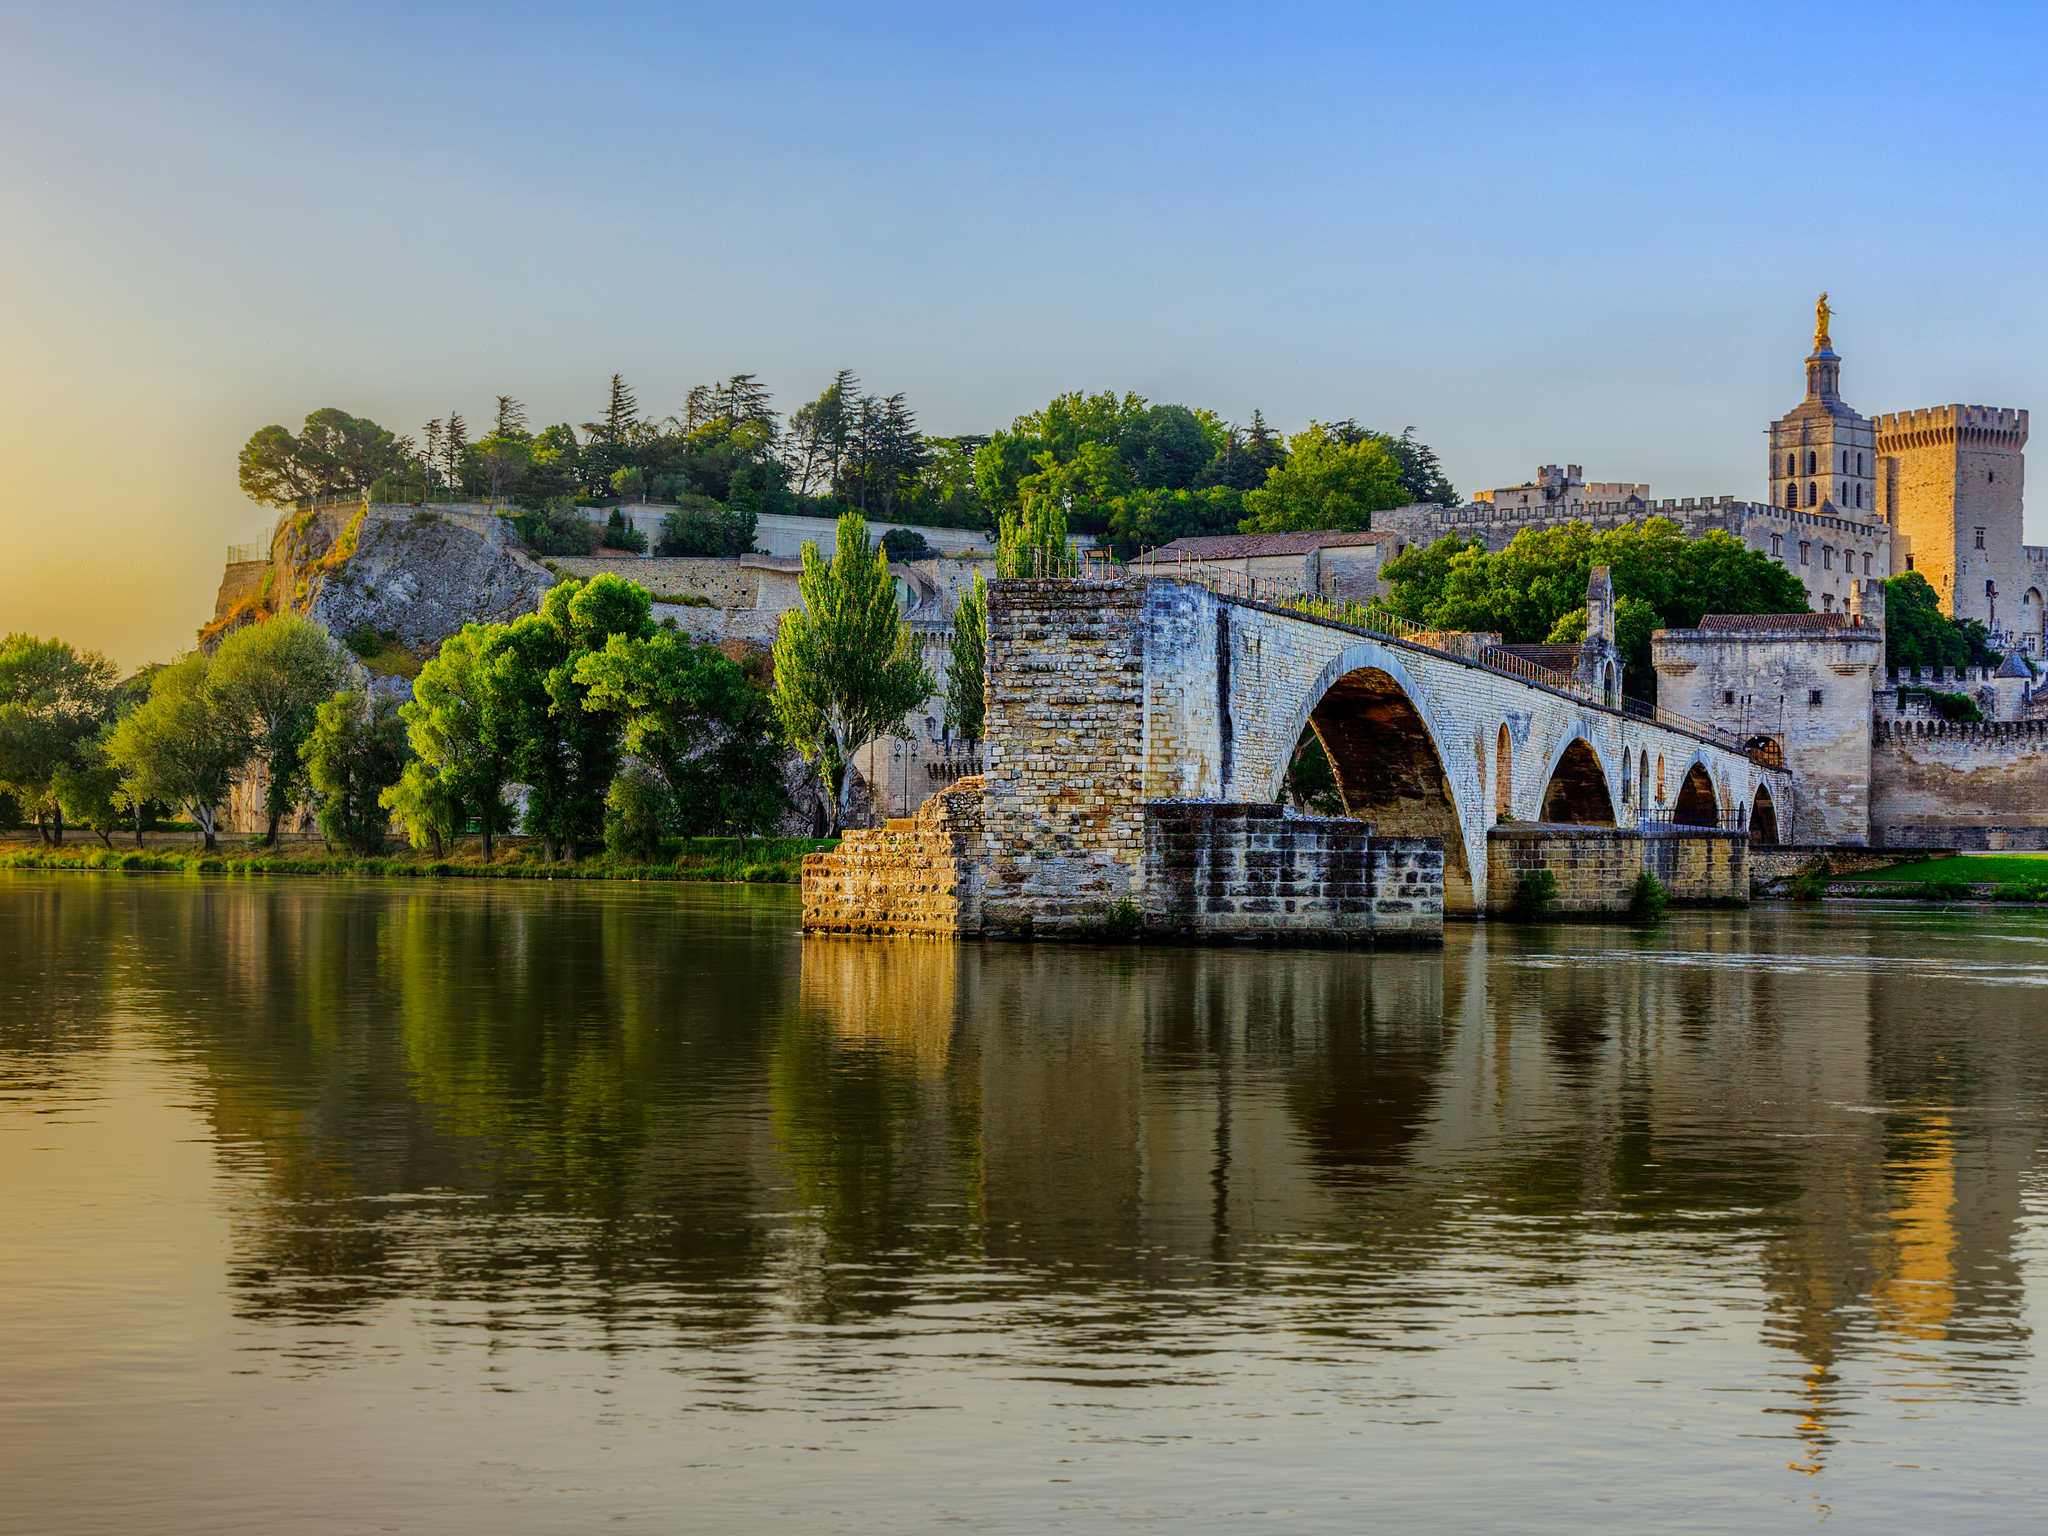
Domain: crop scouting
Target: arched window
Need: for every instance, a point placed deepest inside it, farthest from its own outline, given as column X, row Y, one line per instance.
column 1842, row 494
column 1859, row 463
column 1791, row 464
column 1845, row 461
column 1859, row 493
column 1812, row 463
column 1812, row 494
column 1503, row 776
column 1660, row 778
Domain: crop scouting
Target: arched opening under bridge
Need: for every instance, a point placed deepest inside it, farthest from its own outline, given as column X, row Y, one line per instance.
column 1697, row 804
column 1577, row 791
column 1763, row 817
column 1389, row 771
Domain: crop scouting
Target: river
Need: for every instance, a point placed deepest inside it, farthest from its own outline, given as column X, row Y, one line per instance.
column 501, row 1207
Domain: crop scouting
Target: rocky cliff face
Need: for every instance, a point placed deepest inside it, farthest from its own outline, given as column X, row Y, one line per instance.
column 417, row 576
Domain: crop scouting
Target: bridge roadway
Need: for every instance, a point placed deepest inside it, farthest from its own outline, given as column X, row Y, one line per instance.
column 1106, row 695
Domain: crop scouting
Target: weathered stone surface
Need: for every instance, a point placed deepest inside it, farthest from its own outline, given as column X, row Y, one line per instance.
column 1595, row 867
column 912, row 875
column 418, row 576
column 1941, row 784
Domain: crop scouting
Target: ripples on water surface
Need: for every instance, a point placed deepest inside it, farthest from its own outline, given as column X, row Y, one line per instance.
column 344, row 1207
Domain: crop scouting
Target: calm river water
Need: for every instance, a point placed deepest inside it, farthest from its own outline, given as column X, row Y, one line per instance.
column 507, row 1208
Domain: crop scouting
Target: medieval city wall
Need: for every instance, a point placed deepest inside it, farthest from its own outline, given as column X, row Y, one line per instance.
column 1939, row 784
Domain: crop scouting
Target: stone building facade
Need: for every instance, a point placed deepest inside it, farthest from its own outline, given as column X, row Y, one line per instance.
column 1952, row 479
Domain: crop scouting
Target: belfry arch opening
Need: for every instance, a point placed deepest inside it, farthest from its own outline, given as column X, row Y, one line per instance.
column 1697, row 805
column 1577, row 791
column 1389, row 772
column 1763, row 817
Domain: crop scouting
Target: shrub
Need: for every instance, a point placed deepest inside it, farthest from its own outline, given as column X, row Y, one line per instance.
column 700, row 528
column 560, row 530
column 620, row 534
column 1535, row 893
column 1647, row 899
column 903, row 544
column 2023, row 890
column 1946, row 890
column 1811, row 883
column 1957, row 707
column 1123, row 921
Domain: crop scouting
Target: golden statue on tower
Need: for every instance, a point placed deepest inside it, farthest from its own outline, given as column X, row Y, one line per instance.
column 1821, row 315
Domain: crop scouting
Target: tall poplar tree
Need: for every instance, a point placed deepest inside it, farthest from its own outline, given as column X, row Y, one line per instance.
column 967, row 676
column 847, row 668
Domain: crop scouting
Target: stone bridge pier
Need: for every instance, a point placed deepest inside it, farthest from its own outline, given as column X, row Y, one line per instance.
column 1110, row 702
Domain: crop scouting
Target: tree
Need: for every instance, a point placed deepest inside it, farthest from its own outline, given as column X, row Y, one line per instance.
column 884, row 449
column 335, row 454
column 1422, row 476
column 355, row 754
column 1524, row 591
column 1033, row 540
column 694, row 721
column 460, row 750
column 511, row 420
column 53, row 701
column 705, row 530
column 565, row 753
column 1325, row 483
column 183, row 746
column 846, row 665
column 967, row 676
column 89, row 793
column 1248, row 455
column 1916, row 632
column 820, row 433
column 277, row 673
column 903, row 545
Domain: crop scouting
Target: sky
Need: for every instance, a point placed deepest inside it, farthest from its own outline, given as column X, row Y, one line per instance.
column 1535, row 233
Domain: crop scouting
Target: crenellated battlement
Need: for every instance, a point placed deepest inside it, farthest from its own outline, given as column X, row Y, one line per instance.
column 2003, row 733
column 1933, row 424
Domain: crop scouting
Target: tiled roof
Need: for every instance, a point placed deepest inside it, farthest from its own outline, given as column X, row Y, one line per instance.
column 1771, row 623
column 1239, row 546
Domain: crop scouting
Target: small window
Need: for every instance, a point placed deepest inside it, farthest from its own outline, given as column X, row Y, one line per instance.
column 1866, row 565
column 1990, row 475
column 1859, row 495
column 1777, row 546
column 1980, row 538
column 1827, row 557
column 1805, row 552
column 1727, row 695
column 1812, row 494
column 1909, row 562
column 1859, row 463
column 1812, row 463
column 1845, row 461
column 1827, row 602
column 1813, row 698
column 1791, row 464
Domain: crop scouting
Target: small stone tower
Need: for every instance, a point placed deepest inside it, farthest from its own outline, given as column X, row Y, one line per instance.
column 1599, row 668
column 1822, row 452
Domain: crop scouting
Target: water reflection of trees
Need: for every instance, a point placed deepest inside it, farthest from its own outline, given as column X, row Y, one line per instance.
column 663, row 1109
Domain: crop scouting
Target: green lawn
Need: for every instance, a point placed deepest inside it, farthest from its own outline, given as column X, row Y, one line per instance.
column 1999, row 868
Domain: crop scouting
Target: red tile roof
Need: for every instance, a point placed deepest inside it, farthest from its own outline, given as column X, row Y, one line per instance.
column 1771, row 623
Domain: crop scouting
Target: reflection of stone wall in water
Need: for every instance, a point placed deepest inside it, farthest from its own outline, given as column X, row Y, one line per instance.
column 900, row 997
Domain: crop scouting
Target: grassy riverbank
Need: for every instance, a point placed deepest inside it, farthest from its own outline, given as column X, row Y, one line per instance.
column 759, row 861
column 1981, row 877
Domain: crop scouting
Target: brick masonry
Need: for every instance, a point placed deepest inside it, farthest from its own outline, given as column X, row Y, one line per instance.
column 1215, row 870
column 1596, row 867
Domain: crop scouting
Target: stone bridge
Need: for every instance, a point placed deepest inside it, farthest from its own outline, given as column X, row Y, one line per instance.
column 1108, row 698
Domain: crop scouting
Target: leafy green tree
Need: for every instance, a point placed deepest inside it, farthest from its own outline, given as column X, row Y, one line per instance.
column 967, row 675
column 53, row 701
column 1033, row 540
column 1248, row 456
column 702, row 529
column 565, row 752
column 461, row 749
column 1325, row 483
column 693, row 719
column 278, row 673
column 183, row 745
column 1524, row 591
column 356, row 753
column 1916, row 632
column 89, row 793
column 821, row 433
column 906, row 544
column 1170, row 446
column 1146, row 519
column 1085, row 486
column 335, row 454
column 847, row 668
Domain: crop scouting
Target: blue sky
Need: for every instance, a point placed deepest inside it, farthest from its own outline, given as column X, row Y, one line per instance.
column 1535, row 233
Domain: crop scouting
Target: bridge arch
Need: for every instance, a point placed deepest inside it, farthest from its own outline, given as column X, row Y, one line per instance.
column 1388, row 754
column 1698, row 804
column 1576, row 791
column 1763, row 817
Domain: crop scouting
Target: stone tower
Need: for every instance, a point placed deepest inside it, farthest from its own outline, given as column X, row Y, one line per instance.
column 1823, row 452
column 1951, row 478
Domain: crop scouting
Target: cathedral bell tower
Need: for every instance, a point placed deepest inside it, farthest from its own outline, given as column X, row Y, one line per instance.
column 1823, row 454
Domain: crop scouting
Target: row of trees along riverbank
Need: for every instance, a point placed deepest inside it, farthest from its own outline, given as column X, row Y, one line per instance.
column 621, row 732
column 1132, row 473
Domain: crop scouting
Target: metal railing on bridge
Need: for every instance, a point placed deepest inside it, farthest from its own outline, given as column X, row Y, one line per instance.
column 1287, row 593
column 1736, row 820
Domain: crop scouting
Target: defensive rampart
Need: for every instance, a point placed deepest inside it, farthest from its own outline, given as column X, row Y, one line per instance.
column 1596, row 867
column 1943, row 784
